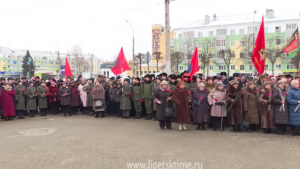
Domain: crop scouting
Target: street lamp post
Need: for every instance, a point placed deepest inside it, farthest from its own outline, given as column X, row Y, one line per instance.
column 167, row 24
column 58, row 58
column 133, row 68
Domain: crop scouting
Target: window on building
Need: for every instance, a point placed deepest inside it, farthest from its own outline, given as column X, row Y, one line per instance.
column 210, row 45
column 199, row 34
column 145, row 72
column 200, row 68
column 250, row 29
column 137, row 73
column 289, row 66
column 211, row 67
column 211, row 33
column 266, row 29
column 278, row 41
column 232, row 54
column 153, row 71
column 222, row 67
column 266, row 67
column 278, row 67
column 242, row 55
column 180, row 36
column 221, row 31
column 242, row 43
column 180, row 67
column 220, row 42
column 232, row 43
column 278, row 54
column 199, row 45
column 232, row 67
column 172, row 42
column 291, row 26
column 242, row 67
column 277, row 29
column 242, row 32
column 250, row 67
column 232, row 32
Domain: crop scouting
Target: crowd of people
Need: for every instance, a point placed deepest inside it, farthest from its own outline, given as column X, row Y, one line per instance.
column 243, row 103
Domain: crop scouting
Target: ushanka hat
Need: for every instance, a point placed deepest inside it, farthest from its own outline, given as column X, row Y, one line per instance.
column 163, row 74
column 147, row 76
column 223, row 74
column 173, row 76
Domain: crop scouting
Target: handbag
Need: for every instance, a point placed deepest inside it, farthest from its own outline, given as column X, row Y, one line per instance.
column 169, row 111
column 98, row 103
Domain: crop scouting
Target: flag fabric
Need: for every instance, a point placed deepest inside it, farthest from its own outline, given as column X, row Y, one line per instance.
column 292, row 47
column 68, row 69
column 121, row 64
column 258, row 54
column 193, row 68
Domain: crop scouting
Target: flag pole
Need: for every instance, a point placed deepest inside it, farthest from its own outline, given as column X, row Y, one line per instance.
column 298, row 55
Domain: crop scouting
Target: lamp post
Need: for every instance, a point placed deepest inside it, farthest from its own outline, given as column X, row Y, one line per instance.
column 58, row 58
column 167, row 24
column 133, row 68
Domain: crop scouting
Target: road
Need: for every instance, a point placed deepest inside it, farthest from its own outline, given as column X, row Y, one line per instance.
column 83, row 142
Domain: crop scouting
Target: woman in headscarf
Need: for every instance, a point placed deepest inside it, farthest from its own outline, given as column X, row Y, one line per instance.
column 20, row 99
column 42, row 98
column 266, row 107
column 250, row 106
column 64, row 93
column 234, row 96
column 98, row 94
column 216, row 99
column 181, row 96
column 162, row 98
column 53, row 93
column 7, row 102
column 201, row 106
column 280, row 107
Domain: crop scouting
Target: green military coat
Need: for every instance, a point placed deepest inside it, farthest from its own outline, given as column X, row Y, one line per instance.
column 173, row 85
column 188, row 85
column 89, row 99
column 31, row 98
column 147, row 90
column 155, row 87
column 20, row 97
column 137, row 92
column 42, row 97
column 125, row 98
column 194, row 85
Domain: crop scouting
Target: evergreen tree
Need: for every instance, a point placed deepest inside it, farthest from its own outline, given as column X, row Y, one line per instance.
column 26, row 67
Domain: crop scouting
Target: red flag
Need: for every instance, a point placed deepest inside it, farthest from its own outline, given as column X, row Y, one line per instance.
column 121, row 64
column 193, row 68
column 67, row 69
column 258, row 55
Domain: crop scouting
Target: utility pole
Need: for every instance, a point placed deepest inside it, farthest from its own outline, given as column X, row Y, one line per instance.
column 133, row 68
column 167, row 25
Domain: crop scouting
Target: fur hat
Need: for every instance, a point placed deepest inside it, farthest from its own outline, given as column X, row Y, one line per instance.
column 223, row 74
column 208, row 78
column 288, row 76
column 137, row 78
column 147, row 75
column 173, row 76
column 164, row 83
column 178, row 77
column 158, row 77
column 236, row 75
column 128, row 80
column 234, row 82
column 163, row 74
column 250, row 78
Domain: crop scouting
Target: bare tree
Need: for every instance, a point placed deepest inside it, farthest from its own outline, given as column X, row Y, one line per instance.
column 206, row 53
column 157, row 57
column 187, row 45
column 273, row 52
column 80, row 63
column 176, row 59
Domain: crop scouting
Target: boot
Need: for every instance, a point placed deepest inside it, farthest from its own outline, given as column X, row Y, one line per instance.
column 138, row 115
column 147, row 117
column 5, row 118
column 150, row 117
column 234, row 128
column 203, row 126
column 265, row 131
column 65, row 114
column 198, row 127
column 183, row 127
column 102, row 114
column 238, row 128
column 180, row 127
column 278, row 129
column 281, row 129
column 127, row 114
column 97, row 114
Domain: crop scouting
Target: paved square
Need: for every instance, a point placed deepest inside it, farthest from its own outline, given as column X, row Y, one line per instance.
column 83, row 142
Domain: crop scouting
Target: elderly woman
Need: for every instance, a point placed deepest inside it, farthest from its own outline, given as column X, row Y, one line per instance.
column 162, row 99
column 201, row 106
column 293, row 99
column 280, row 107
column 250, row 106
column 182, row 97
column 234, row 105
column 64, row 93
column 98, row 94
column 216, row 98
column 53, row 93
column 266, row 108
column 7, row 102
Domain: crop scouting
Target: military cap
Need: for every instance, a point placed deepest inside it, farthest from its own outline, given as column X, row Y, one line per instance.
column 223, row 74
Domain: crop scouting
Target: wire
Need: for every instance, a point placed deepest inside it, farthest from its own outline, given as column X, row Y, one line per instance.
column 19, row 9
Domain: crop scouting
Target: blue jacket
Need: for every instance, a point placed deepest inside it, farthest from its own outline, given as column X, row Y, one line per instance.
column 292, row 98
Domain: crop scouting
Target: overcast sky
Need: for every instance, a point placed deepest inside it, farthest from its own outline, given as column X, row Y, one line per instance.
column 99, row 26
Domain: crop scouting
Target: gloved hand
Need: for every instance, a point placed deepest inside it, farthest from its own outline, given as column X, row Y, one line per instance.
column 220, row 103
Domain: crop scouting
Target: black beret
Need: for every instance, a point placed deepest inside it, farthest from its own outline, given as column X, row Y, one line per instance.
column 223, row 73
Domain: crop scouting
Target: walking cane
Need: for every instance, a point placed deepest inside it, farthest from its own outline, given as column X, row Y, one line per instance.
column 221, row 118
